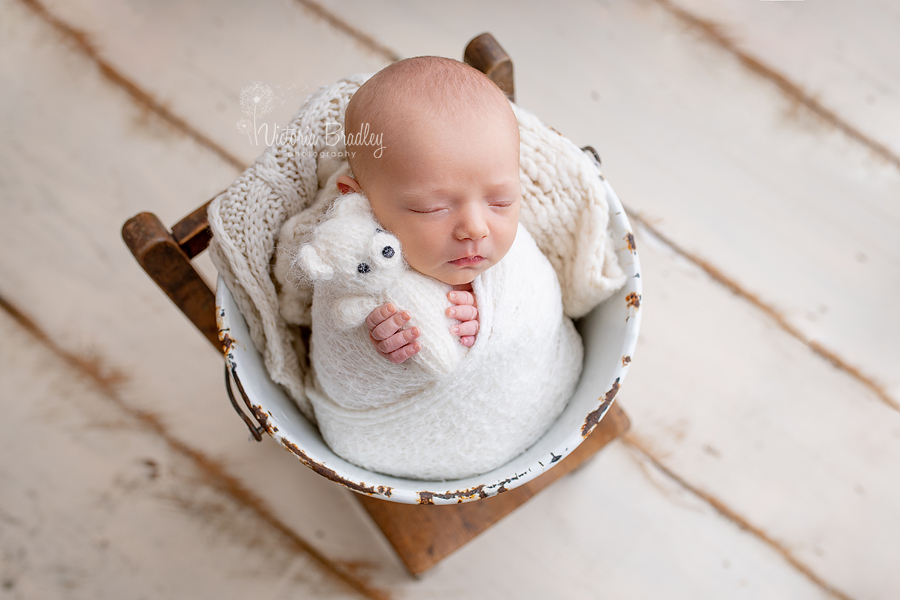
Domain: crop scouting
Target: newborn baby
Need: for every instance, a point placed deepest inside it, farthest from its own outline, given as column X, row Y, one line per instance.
column 445, row 186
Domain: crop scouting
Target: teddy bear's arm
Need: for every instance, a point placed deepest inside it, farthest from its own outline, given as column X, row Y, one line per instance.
column 440, row 351
column 351, row 311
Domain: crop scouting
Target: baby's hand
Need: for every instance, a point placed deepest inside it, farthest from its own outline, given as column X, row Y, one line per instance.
column 466, row 312
column 387, row 334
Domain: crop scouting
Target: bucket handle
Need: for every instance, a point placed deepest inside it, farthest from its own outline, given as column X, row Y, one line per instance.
column 230, row 374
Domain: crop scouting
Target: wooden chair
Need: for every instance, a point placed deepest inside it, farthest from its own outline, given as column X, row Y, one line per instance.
column 422, row 535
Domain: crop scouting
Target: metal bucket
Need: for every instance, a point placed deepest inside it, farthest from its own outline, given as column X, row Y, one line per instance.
column 609, row 332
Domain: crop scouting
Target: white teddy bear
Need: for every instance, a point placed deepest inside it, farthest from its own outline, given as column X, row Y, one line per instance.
column 354, row 267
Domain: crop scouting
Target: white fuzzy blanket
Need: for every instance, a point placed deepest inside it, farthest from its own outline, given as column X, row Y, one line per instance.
column 564, row 209
column 448, row 412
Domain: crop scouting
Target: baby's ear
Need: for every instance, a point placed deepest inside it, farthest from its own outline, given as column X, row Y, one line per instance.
column 347, row 185
column 310, row 261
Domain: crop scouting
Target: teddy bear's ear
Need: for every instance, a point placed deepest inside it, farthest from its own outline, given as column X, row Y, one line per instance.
column 354, row 203
column 310, row 261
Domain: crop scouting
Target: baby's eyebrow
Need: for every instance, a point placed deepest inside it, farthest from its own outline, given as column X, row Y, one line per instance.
column 420, row 192
column 421, row 196
column 501, row 187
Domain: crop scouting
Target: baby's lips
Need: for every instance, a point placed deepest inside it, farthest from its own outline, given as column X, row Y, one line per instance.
column 466, row 261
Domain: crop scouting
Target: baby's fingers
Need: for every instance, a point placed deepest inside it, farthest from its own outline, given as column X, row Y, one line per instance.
column 465, row 329
column 403, row 353
column 390, row 326
column 467, row 340
column 463, row 312
column 379, row 315
column 398, row 340
column 461, row 297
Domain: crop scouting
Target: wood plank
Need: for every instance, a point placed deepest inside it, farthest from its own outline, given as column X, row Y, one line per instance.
column 797, row 449
column 196, row 59
column 618, row 528
column 842, row 55
column 93, row 505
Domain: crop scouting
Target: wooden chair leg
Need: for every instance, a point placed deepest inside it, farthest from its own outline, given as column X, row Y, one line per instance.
column 424, row 535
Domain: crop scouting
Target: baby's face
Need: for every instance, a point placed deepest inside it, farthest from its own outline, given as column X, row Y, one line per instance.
column 450, row 192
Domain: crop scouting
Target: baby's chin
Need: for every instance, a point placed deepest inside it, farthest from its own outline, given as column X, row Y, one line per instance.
column 460, row 276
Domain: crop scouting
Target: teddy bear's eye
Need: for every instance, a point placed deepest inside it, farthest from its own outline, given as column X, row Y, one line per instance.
column 363, row 268
column 387, row 252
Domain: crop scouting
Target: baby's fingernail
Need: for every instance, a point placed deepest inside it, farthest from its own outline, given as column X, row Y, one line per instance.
column 417, row 347
column 453, row 295
column 452, row 312
column 454, row 329
column 406, row 316
column 416, row 332
column 391, row 308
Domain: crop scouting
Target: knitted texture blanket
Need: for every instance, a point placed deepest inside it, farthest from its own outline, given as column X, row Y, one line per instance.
column 447, row 412
column 563, row 207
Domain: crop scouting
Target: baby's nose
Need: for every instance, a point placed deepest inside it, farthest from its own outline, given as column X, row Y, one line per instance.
column 472, row 226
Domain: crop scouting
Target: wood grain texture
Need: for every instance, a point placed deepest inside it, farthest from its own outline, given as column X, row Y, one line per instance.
column 159, row 254
column 842, row 56
column 192, row 232
column 98, row 506
column 485, row 54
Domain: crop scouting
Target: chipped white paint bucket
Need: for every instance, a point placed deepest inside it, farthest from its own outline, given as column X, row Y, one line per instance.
column 609, row 332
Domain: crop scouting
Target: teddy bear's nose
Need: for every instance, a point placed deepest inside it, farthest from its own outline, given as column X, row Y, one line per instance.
column 387, row 252
column 363, row 268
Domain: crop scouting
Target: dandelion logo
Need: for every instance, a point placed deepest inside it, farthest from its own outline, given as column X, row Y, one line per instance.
column 257, row 100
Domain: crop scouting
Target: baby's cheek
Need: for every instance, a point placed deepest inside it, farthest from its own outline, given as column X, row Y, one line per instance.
column 505, row 241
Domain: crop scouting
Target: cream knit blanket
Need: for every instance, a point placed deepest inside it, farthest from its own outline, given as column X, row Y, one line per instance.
column 564, row 209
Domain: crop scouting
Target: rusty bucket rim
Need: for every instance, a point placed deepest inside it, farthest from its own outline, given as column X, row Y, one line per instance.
column 243, row 361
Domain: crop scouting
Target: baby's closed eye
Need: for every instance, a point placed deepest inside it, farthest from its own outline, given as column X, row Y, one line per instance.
column 501, row 200
column 427, row 210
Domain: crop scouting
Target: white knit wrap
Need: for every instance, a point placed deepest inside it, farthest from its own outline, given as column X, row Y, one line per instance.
column 564, row 209
column 447, row 412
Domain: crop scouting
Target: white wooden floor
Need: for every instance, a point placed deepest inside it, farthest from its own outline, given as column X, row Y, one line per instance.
column 756, row 146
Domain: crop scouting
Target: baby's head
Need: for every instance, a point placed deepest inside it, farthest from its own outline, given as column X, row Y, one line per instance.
column 447, row 181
